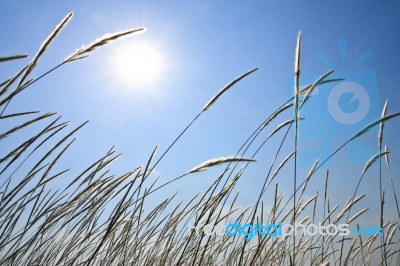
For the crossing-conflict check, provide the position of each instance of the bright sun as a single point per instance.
(137, 64)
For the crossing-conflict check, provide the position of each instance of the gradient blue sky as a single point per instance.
(205, 45)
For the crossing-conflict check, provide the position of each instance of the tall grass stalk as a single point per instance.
(296, 124)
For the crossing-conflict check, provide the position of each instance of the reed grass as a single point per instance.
(102, 219)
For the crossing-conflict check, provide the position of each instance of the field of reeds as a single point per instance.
(102, 219)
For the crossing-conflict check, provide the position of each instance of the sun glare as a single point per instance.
(136, 64)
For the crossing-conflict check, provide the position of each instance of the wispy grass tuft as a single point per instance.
(107, 38)
(225, 88)
(218, 161)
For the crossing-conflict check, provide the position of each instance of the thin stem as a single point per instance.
(33, 81)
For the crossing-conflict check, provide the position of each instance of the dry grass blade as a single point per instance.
(218, 161)
(297, 58)
(299, 210)
(227, 215)
(297, 77)
(46, 44)
(357, 214)
(350, 251)
(5, 82)
(371, 161)
(310, 173)
(13, 57)
(358, 134)
(281, 166)
(224, 89)
(10, 81)
(380, 135)
(391, 232)
(30, 122)
(296, 122)
(381, 197)
(279, 127)
(275, 114)
(304, 90)
(391, 180)
(350, 203)
(314, 85)
(367, 128)
(18, 114)
(386, 156)
(83, 52)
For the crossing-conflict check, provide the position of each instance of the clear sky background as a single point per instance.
(202, 45)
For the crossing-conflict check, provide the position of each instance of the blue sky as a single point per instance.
(206, 44)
